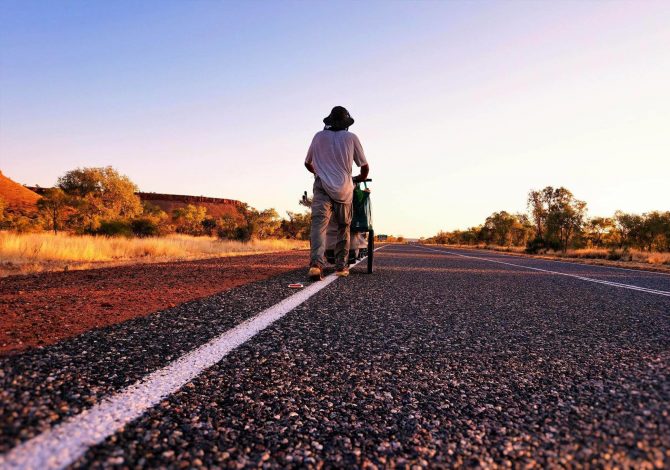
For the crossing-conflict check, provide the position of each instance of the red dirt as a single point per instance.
(17, 197)
(170, 202)
(41, 309)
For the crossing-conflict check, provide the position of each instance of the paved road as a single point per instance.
(442, 357)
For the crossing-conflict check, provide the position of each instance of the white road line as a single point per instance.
(572, 263)
(66, 442)
(583, 278)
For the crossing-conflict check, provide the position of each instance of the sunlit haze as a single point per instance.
(461, 107)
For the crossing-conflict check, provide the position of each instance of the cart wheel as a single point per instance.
(371, 249)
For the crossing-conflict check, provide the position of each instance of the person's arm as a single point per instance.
(359, 159)
(310, 157)
(365, 170)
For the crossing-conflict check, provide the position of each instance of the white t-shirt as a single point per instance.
(332, 154)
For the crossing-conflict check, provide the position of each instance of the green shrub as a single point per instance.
(145, 227)
(535, 245)
(243, 234)
(208, 225)
(115, 228)
(540, 245)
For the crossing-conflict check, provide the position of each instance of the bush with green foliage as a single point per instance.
(243, 234)
(559, 222)
(557, 214)
(189, 219)
(54, 206)
(539, 245)
(115, 228)
(99, 194)
(145, 227)
(209, 225)
(297, 226)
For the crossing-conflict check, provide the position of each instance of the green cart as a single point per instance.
(362, 234)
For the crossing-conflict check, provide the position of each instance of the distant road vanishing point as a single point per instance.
(442, 357)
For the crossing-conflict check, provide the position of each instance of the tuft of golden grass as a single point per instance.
(657, 258)
(637, 256)
(35, 252)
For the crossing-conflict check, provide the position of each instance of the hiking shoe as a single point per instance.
(344, 272)
(315, 273)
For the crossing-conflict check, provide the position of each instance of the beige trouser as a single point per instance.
(323, 208)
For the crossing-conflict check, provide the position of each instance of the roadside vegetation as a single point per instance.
(556, 225)
(93, 216)
(35, 252)
(100, 201)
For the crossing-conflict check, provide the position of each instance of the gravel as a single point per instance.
(433, 360)
(40, 387)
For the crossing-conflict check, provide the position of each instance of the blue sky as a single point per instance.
(462, 107)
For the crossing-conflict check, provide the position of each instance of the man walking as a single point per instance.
(330, 157)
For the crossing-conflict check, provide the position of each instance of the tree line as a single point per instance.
(556, 220)
(101, 201)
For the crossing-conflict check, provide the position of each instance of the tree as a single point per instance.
(154, 221)
(663, 238)
(628, 228)
(557, 215)
(258, 224)
(53, 206)
(102, 194)
(598, 230)
(189, 219)
(522, 230)
(538, 208)
(226, 226)
(500, 225)
(654, 230)
(442, 238)
(267, 223)
(209, 225)
(298, 225)
(566, 216)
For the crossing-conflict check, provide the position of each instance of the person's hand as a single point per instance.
(365, 171)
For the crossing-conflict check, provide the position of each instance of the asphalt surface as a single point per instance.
(437, 359)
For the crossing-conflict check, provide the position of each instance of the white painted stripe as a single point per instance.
(66, 442)
(583, 278)
(503, 254)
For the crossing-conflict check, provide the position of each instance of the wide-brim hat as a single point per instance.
(338, 117)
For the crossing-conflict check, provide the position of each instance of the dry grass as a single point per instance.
(602, 256)
(36, 252)
(618, 255)
(658, 258)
